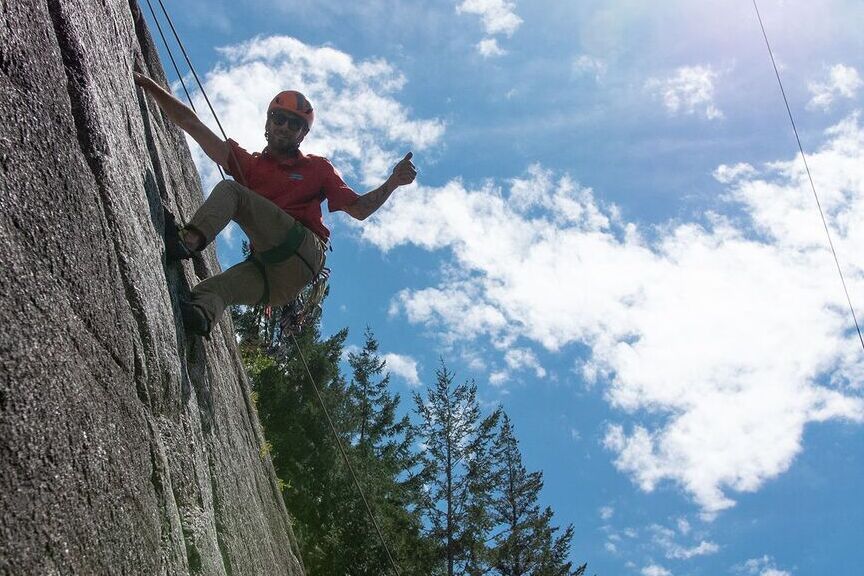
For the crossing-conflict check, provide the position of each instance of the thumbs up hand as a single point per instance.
(404, 172)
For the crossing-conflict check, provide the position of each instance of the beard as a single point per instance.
(282, 145)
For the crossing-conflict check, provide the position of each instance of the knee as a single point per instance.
(226, 187)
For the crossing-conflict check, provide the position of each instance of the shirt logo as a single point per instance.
(295, 176)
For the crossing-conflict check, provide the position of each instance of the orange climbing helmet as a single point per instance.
(295, 103)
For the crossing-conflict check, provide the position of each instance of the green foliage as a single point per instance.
(527, 544)
(463, 504)
(382, 450)
(331, 523)
(456, 471)
(265, 449)
(282, 484)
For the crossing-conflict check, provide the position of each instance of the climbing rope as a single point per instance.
(200, 87)
(315, 290)
(174, 63)
(171, 56)
(809, 175)
(345, 457)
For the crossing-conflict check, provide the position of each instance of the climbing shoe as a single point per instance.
(175, 248)
(194, 319)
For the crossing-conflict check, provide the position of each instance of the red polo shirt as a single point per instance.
(297, 185)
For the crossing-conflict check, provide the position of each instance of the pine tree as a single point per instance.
(456, 471)
(467, 484)
(300, 442)
(383, 456)
(526, 543)
(370, 402)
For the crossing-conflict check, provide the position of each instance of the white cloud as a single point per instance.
(498, 17)
(488, 47)
(611, 547)
(690, 91)
(474, 360)
(519, 358)
(665, 539)
(606, 512)
(702, 549)
(763, 566)
(403, 366)
(728, 174)
(450, 302)
(585, 64)
(655, 570)
(730, 333)
(350, 349)
(683, 526)
(230, 233)
(499, 378)
(843, 82)
(359, 123)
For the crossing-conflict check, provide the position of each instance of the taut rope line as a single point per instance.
(345, 456)
(171, 56)
(195, 74)
(174, 62)
(809, 176)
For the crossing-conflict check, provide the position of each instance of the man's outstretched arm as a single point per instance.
(183, 116)
(403, 173)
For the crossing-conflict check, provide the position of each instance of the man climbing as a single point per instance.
(276, 200)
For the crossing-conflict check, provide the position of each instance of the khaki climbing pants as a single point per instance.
(267, 226)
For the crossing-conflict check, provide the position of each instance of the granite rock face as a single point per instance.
(126, 447)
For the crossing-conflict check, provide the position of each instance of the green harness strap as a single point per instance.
(280, 253)
(286, 249)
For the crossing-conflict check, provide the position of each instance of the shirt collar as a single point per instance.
(287, 161)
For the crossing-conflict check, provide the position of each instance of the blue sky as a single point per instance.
(612, 234)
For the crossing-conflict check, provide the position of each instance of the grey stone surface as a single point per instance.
(126, 447)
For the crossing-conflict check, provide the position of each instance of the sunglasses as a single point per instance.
(293, 122)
